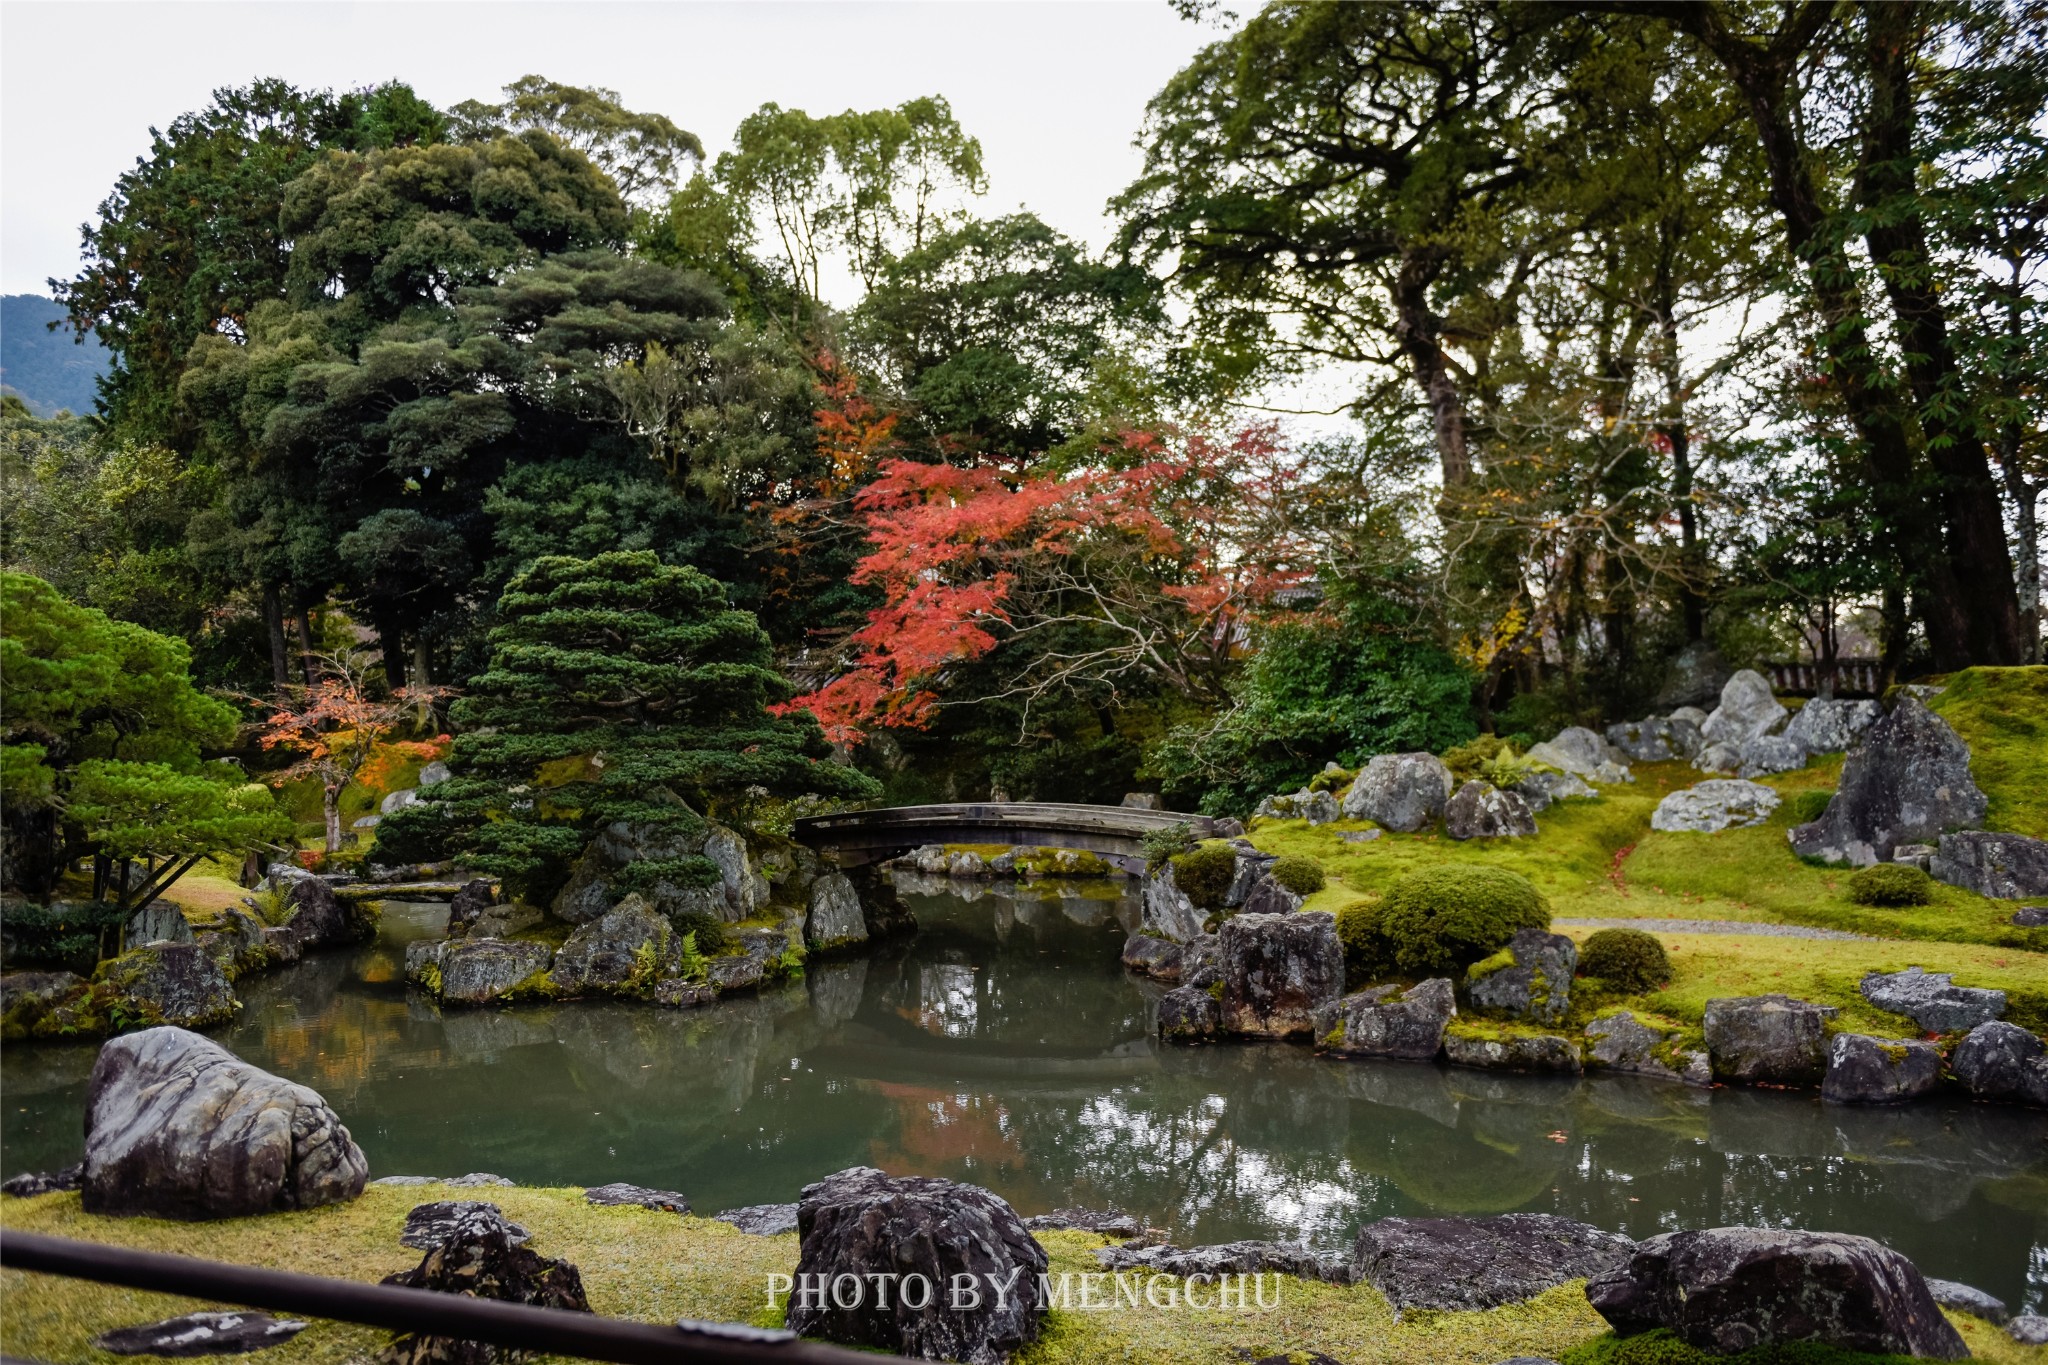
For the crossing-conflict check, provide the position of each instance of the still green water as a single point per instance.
(1003, 1045)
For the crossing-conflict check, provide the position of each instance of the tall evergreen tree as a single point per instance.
(619, 688)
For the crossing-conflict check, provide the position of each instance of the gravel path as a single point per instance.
(1716, 926)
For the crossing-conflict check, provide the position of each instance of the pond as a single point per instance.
(1003, 1045)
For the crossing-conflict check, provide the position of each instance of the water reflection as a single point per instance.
(1003, 1045)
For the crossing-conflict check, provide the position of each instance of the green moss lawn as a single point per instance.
(1601, 860)
(656, 1267)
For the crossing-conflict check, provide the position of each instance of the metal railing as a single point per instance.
(520, 1327)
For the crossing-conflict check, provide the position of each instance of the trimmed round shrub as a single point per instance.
(1204, 874)
(1303, 876)
(1365, 951)
(1628, 960)
(1891, 884)
(1439, 920)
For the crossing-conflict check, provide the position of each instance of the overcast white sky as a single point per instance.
(1055, 91)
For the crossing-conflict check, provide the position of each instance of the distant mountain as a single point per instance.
(47, 370)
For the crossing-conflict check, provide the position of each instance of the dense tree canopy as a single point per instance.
(1453, 367)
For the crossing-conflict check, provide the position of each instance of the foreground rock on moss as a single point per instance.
(176, 1126)
(1735, 1289)
(862, 1222)
(1467, 1263)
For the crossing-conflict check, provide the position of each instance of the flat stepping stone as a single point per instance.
(1108, 1222)
(623, 1195)
(201, 1334)
(1716, 926)
(762, 1220)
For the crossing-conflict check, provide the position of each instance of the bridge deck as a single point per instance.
(1116, 832)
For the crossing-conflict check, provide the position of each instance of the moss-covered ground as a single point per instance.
(1600, 859)
(656, 1267)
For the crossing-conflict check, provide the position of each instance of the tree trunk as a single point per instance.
(1416, 332)
(1677, 434)
(1762, 73)
(1897, 239)
(273, 624)
(2026, 503)
(307, 654)
(391, 641)
(422, 655)
(330, 807)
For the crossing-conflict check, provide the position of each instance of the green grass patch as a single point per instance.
(1600, 859)
(2002, 714)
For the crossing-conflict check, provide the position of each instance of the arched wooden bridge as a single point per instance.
(1116, 833)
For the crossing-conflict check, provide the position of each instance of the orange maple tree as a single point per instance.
(338, 728)
(1152, 555)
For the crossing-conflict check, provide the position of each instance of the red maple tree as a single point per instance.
(1151, 555)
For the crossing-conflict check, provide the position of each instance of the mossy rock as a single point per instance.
(1627, 960)
(1891, 885)
(1204, 874)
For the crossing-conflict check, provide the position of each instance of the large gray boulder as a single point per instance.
(1697, 675)
(477, 971)
(1278, 970)
(1189, 1014)
(1463, 1264)
(1723, 759)
(629, 948)
(1622, 1042)
(1544, 1052)
(1714, 805)
(1933, 1000)
(1400, 792)
(835, 918)
(591, 890)
(861, 1222)
(1166, 912)
(322, 919)
(1153, 957)
(1537, 982)
(1482, 811)
(158, 922)
(1656, 740)
(1747, 710)
(1268, 897)
(1772, 1039)
(2000, 1061)
(2005, 867)
(746, 893)
(1736, 1289)
(176, 1126)
(1767, 754)
(1542, 788)
(1829, 727)
(1863, 1070)
(1906, 781)
(1583, 753)
(1965, 1298)
(1389, 1021)
(184, 983)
